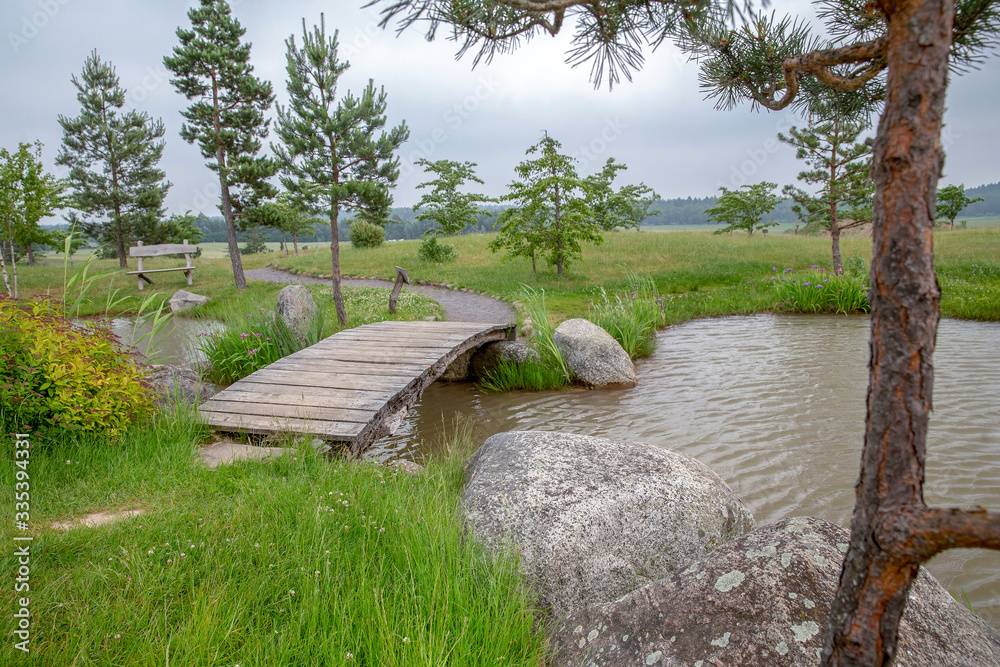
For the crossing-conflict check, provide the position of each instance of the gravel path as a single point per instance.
(458, 306)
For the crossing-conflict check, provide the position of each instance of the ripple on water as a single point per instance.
(776, 406)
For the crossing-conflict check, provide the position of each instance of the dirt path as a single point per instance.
(458, 306)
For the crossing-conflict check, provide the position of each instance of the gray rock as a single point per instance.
(593, 355)
(183, 300)
(762, 600)
(181, 383)
(490, 355)
(592, 519)
(297, 310)
(458, 370)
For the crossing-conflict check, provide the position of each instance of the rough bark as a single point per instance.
(892, 530)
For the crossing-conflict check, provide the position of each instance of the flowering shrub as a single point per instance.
(246, 346)
(57, 375)
(819, 291)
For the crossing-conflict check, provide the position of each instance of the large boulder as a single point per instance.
(297, 310)
(183, 300)
(593, 355)
(177, 383)
(489, 356)
(762, 600)
(592, 519)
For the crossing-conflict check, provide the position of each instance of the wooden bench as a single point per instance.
(141, 251)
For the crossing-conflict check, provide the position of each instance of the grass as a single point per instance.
(697, 274)
(296, 561)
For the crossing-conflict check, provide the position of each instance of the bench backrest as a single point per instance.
(162, 249)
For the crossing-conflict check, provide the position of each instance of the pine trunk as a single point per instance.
(227, 213)
(30, 249)
(889, 531)
(338, 298)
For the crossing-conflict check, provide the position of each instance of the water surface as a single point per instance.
(775, 404)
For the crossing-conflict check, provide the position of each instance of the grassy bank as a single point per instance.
(297, 561)
(698, 273)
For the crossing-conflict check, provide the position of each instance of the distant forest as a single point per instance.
(689, 211)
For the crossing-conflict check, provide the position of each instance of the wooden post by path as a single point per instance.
(401, 277)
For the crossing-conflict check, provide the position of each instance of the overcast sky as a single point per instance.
(659, 124)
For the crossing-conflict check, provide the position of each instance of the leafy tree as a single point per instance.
(446, 205)
(636, 200)
(551, 215)
(888, 57)
(178, 228)
(951, 199)
(334, 154)
(113, 157)
(602, 198)
(840, 164)
(745, 210)
(286, 218)
(212, 67)
(625, 207)
(27, 194)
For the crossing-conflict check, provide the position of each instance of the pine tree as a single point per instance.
(550, 213)
(334, 154)
(113, 158)
(840, 164)
(212, 66)
(888, 57)
(27, 194)
(626, 207)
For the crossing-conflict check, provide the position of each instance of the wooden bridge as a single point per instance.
(353, 387)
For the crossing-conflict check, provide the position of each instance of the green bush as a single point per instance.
(55, 375)
(365, 234)
(432, 251)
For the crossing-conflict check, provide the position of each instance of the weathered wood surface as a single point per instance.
(353, 387)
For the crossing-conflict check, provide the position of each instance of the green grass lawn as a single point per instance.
(297, 561)
(699, 273)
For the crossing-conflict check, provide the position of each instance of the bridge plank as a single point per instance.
(350, 387)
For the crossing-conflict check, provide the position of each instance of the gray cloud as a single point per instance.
(659, 124)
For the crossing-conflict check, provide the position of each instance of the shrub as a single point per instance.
(432, 251)
(365, 234)
(631, 319)
(55, 375)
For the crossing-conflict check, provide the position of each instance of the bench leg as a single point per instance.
(190, 277)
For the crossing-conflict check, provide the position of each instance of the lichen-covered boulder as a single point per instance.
(762, 600)
(592, 354)
(592, 519)
(183, 300)
(297, 310)
(489, 356)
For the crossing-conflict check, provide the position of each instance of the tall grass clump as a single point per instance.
(249, 342)
(549, 372)
(631, 319)
(299, 560)
(820, 291)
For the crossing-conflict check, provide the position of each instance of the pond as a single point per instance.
(177, 342)
(775, 404)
